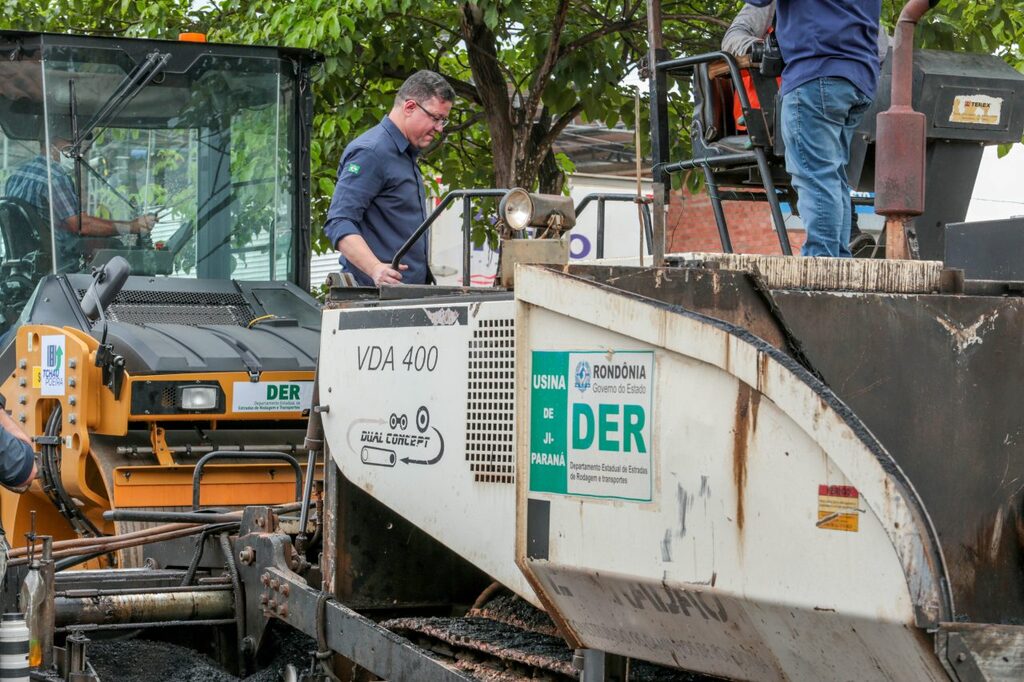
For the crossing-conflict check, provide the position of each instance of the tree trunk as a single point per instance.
(541, 160)
(551, 178)
(490, 82)
(522, 132)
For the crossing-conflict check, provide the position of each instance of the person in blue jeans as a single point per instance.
(829, 81)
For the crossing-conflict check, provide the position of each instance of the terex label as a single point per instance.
(272, 396)
(976, 109)
(590, 424)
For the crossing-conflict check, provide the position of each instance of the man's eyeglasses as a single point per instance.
(439, 120)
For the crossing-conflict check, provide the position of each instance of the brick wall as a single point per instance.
(691, 226)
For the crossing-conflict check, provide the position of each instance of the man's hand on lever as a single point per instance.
(140, 225)
(383, 273)
(359, 255)
(143, 224)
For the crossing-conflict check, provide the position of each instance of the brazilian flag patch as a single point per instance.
(353, 168)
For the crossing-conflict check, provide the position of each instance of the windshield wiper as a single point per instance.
(125, 92)
(132, 85)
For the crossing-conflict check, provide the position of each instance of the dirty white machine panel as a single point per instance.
(695, 498)
(421, 417)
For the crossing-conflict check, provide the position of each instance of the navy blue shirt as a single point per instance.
(828, 38)
(380, 195)
(16, 459)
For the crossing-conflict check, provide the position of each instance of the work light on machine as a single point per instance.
(520, 209)
(198, 397)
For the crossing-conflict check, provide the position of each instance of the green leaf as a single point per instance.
(491, 17)
(371, 45)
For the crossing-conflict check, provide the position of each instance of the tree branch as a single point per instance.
(465, 90)
(426, 20)
(547, 66)
(468, 123)
(629, 25)
(559, 125)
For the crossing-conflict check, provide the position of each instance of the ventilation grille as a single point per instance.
(203, 298)
(191, 308)
(491, 401)
(169, 396)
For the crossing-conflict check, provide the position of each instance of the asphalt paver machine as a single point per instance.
(751, 467)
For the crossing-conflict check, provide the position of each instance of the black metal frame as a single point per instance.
(468, 195)
(197, 475)
(302, 62)
(602, 198)
(758, 136)
(273, 589)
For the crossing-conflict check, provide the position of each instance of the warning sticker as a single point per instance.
(838, 508)
(37, 375)
(590, 424)
(976, 109)
(52, 374)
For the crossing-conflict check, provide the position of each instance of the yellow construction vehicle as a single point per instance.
(209, 345)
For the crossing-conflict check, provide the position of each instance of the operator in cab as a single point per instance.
(31, 184)
(17, 460)
(379, 199)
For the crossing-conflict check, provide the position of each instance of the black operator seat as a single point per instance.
(714, 130)
(22, 229)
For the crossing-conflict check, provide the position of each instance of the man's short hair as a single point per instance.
(422, 86)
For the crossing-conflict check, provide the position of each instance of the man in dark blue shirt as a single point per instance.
(829, 81)
(379, 199)
(17, 460)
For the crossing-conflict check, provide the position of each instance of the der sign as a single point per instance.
(590, 423)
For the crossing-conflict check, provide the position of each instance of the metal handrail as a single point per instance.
(601, 198)
(686, 63)
(467, 196)
(778, 221)
(197, 475)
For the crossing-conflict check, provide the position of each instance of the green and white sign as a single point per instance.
(271, 396)
(590, 423)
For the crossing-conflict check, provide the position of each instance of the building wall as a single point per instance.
(998, 193)
(690, 226)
